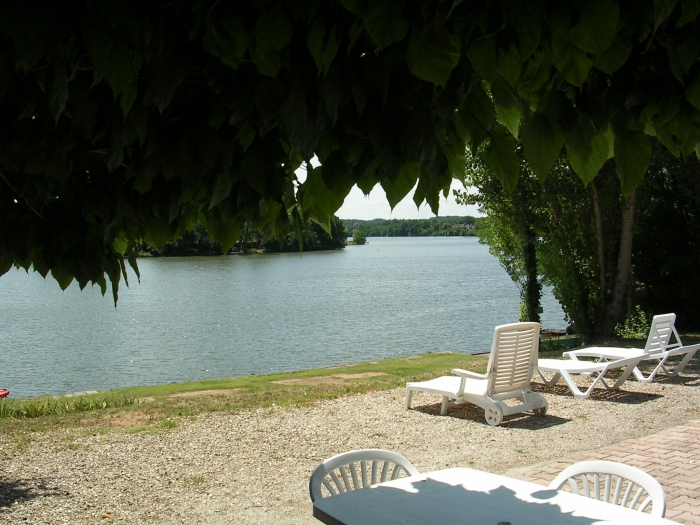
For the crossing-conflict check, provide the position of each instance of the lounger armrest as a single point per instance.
(684, 349)
(467, 373)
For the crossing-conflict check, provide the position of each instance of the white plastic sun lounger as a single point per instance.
(508, 375)
(565, 368)
(658, 347)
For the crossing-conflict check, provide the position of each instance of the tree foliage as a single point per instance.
(128, 122)
(548, 234)
(451, 226)
(359, 237)
(196, 242)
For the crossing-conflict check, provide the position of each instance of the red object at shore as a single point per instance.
(4, 392)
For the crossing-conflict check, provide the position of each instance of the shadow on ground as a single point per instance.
(12, 492)
(525, 420)
(601, 394)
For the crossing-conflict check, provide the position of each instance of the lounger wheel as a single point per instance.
(493, 415)
(540, 411)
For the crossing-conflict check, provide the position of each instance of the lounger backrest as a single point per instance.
(513, 357)
(660, 333)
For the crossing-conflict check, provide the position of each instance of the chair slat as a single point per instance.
(353, 473)
(385, 471)
(637, 497)
(336, 480)
(618, 488)
(346, 480)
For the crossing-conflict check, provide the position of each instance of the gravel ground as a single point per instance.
(253, 467)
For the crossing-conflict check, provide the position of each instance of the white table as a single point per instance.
(465, 496)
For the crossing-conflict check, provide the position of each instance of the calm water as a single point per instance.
(195, 318)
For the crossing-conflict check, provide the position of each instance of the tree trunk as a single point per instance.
(533, 288)
(601, 243)
(613, 312)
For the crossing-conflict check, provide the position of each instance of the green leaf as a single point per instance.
(500, 156)
(432, 53)
(222, 188)
(662, 10)
(510, 118)
(614, 56)
(688, 51)
(273, 30)
(587, 164)
(127, 99)
(62, 275)
(691, 10)
(316, 199)
(235, 28)
(354, 6)
(507, 106)
(111, 57)
(323, 46)
(597, 26)
(226, 232)
(337, 176)
(398, 189)
(120, 245)
(510, 65)
(158, 232)
(685, 129)
(384, 23)
(58, 91)
(477, 115)
(482, 55)
(541, 144)
(528, 26)
(632, 157)
(573, 63)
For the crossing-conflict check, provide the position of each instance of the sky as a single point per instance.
(376, 206)
(357, 205)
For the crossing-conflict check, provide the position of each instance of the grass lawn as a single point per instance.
(157, 406)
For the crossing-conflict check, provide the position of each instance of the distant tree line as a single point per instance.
(451, 226)
(196, 241)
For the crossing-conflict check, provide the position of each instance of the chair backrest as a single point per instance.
(660, 333)
(614, 483)
(513, 358)
(356, 470)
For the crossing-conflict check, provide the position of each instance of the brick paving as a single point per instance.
(672, 456)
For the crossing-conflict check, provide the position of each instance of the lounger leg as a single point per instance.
(443, 408)
(640, 377)
(409, 395)
(628, 371)
(573, 387)
(552, 381)
(681, 365)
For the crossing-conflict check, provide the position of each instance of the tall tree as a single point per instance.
(573, 237)
(128, 122)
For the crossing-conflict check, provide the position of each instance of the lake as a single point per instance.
(209, 317)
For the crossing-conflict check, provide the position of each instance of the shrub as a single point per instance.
(636, 326)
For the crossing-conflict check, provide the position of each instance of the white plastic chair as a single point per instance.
(508, 374)
(614, 483)
(356, 470)
(658, 347)
(565, 368)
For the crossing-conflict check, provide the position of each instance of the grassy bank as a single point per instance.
(161, 406)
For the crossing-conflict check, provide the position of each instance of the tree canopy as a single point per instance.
(125, 122)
